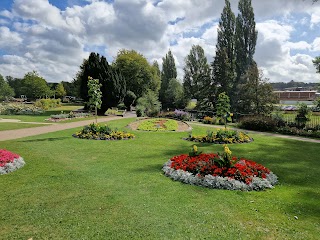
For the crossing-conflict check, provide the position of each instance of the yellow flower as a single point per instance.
(227, 150)
(195, 148)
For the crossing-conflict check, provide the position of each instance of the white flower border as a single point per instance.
(218, 182)
(12, 166)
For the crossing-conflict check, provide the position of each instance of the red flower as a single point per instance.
(204, 164)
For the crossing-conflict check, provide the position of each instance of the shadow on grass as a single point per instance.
(45, 139)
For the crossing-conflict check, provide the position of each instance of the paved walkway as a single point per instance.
(27, 132)
(264, 133)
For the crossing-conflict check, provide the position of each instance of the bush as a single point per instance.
(221, 136)
(259, 123)
(102, 132)
(209, 120)
(19, 109)
(48, 103)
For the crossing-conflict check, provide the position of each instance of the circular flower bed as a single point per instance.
(219, 171)
(9, 161)
(158, 124)
(102, 132)
(222, 136)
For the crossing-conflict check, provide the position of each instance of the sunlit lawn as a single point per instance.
(13, 126)
(85, 189)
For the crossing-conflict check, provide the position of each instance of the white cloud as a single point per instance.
(9, 39)
(39, 36)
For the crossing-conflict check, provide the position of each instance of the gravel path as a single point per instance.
(27, 132)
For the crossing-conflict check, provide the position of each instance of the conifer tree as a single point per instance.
(169, 71)
(197, 77)
(223, 65)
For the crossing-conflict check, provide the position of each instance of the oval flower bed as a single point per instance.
(158, 124)
(224, 171)
(9, 161)
(222, 136)
(102, 132)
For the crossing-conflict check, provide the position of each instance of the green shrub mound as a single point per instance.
(158, 124)
(102, 132)
(222, 136)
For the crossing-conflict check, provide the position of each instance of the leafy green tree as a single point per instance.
(316, 63)
(95, 95)
(34, 86)
(137, 72)
(302, 117)
(113, 84)
(148, 104)
(156, 76)
(224, 62)
(169, 71)
(60, 91)
(257, 94)
(174, 94)
(16, 85)
(223, 108)
(5, 90)
(197, 77)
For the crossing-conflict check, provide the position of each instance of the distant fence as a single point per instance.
(314, 121)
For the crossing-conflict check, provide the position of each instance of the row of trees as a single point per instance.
(233, 71)
(33, 86)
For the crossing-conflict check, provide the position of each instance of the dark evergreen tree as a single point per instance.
(113, 85)
(197, 79)
(169, 71)
(223, 65)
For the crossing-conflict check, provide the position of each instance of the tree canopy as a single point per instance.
(137, 72)
(5, 90)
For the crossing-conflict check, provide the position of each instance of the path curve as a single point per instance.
(27, 132)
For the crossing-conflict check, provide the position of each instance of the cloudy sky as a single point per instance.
(54, 36)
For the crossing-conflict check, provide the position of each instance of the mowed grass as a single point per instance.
(13, 126)
(84, 189)
(42, 117)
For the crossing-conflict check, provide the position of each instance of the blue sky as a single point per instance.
(54, 36)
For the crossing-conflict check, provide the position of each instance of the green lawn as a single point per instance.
(84, 189)
(41, 118)
(13, 126)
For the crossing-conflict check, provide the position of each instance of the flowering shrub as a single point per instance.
(219, 171)
(158, 124)
(102, 132)
(19, 109)
(221, 136)
(67, 116)
(209, 120)
(9, 161)
(182, 115)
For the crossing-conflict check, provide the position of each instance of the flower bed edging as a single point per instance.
(9, 161)
(218, 182)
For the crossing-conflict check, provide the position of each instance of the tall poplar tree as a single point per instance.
(246, 37)
(197, 77)
(223, 65)
(245, 44)
(169, 71)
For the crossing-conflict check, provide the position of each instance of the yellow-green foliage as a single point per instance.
(158, 124)
(222, 136)
(46, 104)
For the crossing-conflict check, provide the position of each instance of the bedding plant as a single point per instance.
(222, 136)
(158, 124)
(9, 161)
(222, 171)
(95, 131)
